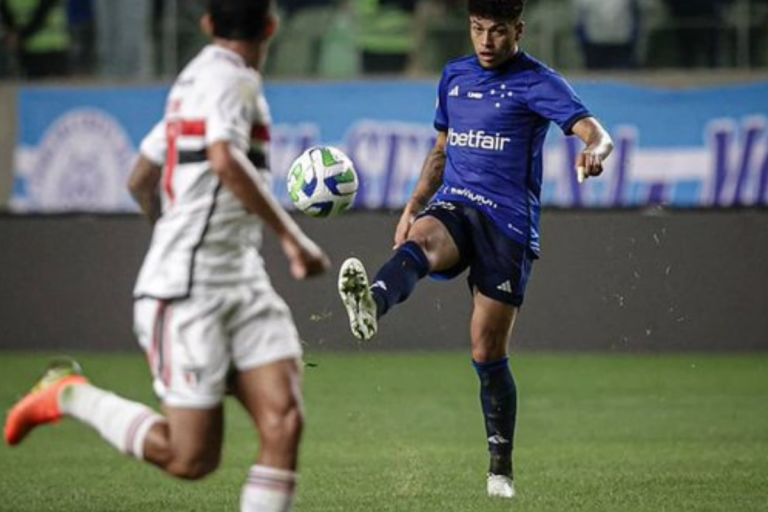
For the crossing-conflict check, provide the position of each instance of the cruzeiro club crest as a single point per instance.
(81, 164)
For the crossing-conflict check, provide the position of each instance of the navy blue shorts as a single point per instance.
(499, 267)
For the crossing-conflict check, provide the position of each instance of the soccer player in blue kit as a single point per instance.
(476, 205)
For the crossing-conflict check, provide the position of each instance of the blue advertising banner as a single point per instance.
(680, 148)
(76, 147)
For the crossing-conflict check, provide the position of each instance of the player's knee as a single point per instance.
(283, 427)
(185, 464)
(436, 244)
(428, 247)
(487, 347)
(481, 354)
(420, 239)
(193, 468)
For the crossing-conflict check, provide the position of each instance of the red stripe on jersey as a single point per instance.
(194, 127)
(172, 132)
(260, 132)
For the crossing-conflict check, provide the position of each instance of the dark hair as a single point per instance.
(239, 19)
(503, 10)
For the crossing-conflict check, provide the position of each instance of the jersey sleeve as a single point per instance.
(441, 115)
(155, 144)
(231, 101)
(554, 99)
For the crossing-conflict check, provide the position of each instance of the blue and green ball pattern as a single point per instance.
(322, 182)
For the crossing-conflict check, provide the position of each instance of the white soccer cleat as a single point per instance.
(500, 486)
(356, 296)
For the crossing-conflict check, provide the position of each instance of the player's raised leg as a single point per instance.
(429, 247)
(492, 323)
(64, 391)
(272, 396)
(187, 444)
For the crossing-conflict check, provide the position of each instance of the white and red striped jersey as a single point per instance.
(205, 237)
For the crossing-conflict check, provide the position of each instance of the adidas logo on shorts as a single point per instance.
(506, 287)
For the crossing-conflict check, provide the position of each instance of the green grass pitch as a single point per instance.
(403, 432)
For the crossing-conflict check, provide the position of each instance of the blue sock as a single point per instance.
(398, 277)
(498, 395)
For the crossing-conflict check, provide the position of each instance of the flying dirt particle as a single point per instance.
(319, 317)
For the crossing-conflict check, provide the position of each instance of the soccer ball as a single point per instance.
(322, 181)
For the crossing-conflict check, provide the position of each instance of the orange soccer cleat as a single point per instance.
(41, 405)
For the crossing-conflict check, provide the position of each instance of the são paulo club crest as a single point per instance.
(82, 163)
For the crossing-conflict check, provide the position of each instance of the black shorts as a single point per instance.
(499, 267)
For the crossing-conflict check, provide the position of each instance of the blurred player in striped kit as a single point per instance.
(205, 310)
(476, 205)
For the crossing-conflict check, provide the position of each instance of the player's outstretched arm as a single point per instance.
(598, 146)
(239, 175)
(429, 182)
(143, 185)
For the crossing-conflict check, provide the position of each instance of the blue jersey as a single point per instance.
(496, 121)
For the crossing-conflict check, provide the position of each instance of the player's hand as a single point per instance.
(588, 163)
(404, 225)
(306, 258)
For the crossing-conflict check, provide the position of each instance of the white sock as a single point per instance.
(268, 490)
(122, 423)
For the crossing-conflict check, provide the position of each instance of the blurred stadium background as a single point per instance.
(655, 274)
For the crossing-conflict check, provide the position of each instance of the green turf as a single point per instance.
(404, 433)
